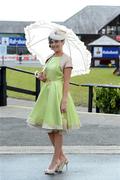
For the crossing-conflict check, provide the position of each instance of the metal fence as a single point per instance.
(4, 87)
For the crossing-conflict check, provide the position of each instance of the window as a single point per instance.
(111, 30)
(17, 50)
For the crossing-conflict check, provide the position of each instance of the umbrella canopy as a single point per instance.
(37, 43)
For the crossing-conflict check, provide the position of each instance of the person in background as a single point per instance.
(20, 57)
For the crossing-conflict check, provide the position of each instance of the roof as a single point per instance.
(104, 40)
(16, 26)
(13, 26)
(92, 18)
(87, 21)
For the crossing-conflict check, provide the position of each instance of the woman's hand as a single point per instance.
(63, 106)
(41, 76)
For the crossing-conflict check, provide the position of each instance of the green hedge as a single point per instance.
(108, 100)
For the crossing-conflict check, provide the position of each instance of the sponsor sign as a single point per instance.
(16, 41)
(13, 41)
(106, 52)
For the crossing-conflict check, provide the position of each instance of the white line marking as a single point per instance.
(67, 149)
(22, 107)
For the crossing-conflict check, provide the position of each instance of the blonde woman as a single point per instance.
(54, 109)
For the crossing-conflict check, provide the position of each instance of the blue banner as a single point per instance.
(110, 52)
(106, 52)
(17, 41)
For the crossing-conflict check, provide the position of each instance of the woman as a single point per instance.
(54, 109)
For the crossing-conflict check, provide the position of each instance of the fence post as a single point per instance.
(38, 87)
(3, 86)
(90, 97)
(97, 109)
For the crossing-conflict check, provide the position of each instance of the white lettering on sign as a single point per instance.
(110, 52)
(15, 41)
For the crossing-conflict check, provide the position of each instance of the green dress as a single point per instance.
(46, 111)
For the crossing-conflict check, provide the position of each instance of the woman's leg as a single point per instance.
(57, 140)
(52, 138)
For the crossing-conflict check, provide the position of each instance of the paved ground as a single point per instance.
(15, 132)
(93, 150)
(13, 63)
(81, 167)
(96, 129)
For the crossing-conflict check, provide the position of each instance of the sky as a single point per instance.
(49, 10)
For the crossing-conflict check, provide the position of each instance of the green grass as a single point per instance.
(79, 94)
(21, 80)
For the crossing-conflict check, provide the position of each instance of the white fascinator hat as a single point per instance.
(57, 35)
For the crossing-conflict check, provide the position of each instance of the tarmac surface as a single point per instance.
(96, 128)
(93, 150)
(81, 167)
(13, 63)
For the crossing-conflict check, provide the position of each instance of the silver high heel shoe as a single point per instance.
(61, 166)
(52, 171)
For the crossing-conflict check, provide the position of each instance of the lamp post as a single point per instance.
(3, 52)
(16, 48)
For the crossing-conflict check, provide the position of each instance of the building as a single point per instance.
(105, 52)
(89, 24)
(93, 21)
(12, 36)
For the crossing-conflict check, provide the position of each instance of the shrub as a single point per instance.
(108, 100)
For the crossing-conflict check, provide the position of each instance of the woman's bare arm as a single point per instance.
(67, 75)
